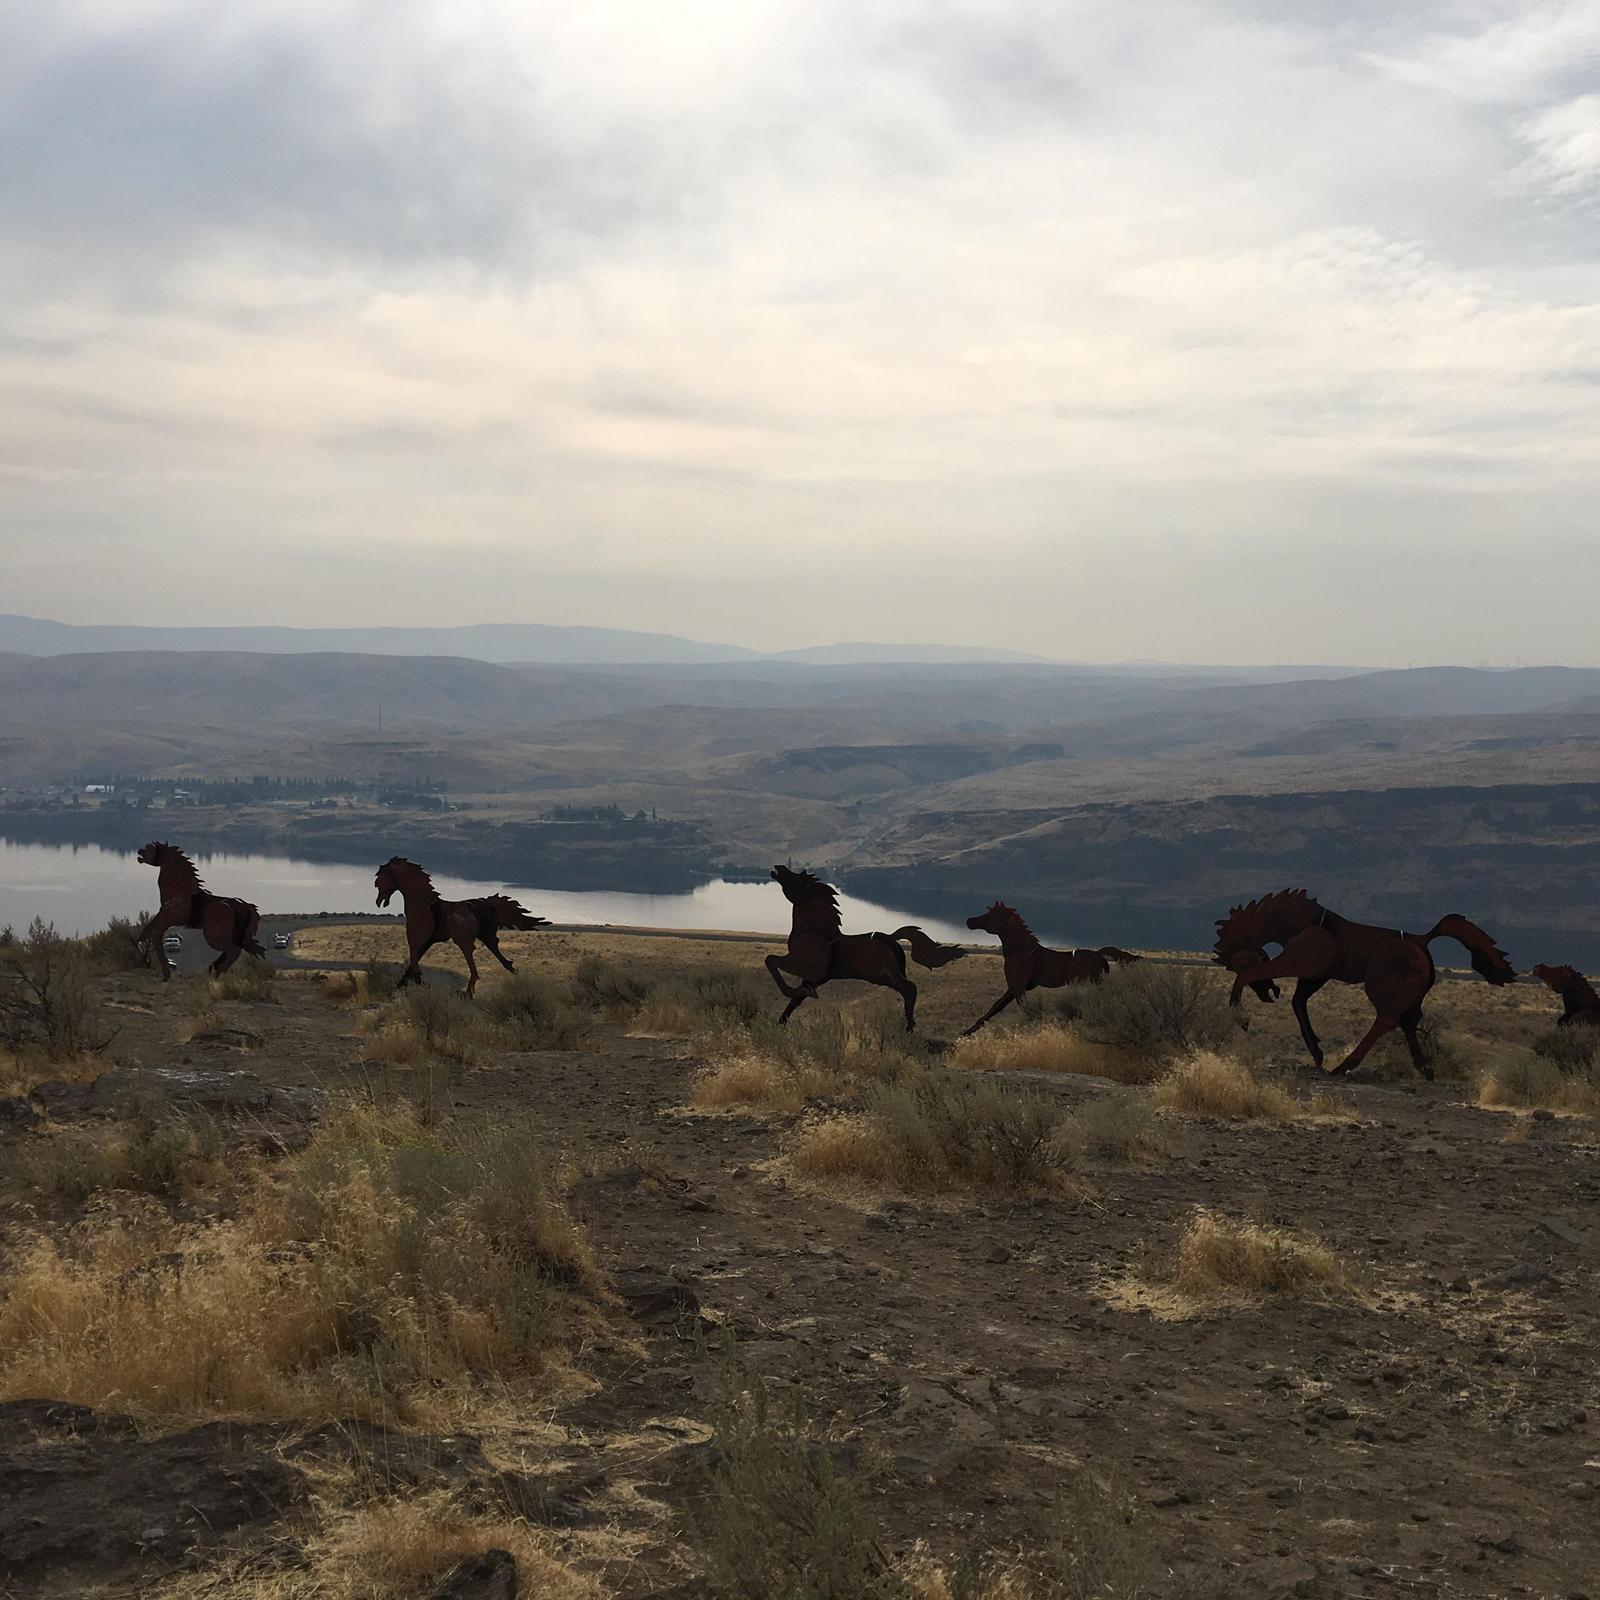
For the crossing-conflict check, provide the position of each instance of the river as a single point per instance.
(79, 888)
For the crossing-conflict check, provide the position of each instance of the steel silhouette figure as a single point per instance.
(431, 919)
(820, 952)
(1319, 947)
(1032, 965)
(228, 925)
(1582, 1003)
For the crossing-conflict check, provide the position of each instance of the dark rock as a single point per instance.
(997, 1255)
(232, 1038)
(1543, 1114)
(490, 1576)
(17, 1112)
(1524, 1275)
(1168, 1498)
(61, 1099)
(651, 1295)
(83, 1494)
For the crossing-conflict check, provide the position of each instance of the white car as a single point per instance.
(280, 941)
(172, 942)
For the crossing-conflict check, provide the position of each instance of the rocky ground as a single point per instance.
(1436, 1434)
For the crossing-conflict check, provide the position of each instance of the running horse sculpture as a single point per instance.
(430, 919)
(819, 951)
(1577, 993)
(1319, 947)
(228, 925)
(1032, 965)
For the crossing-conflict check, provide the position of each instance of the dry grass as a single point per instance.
(166, 1157)
(942, 1130)
(1221, 1261)
(386, 1271)
(1520, 1080)
(1048, 1046)
(421, 1024)
(1156, 1012)
(21, 1069)
(760, 1083)
(383, 1549)
(249, 978)
(1209, 1085)
(704, 998)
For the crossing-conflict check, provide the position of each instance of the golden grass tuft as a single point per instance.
(760, 1083)
(383, 1549)
(1221, 1261)
(1046, 1047)
(386, 1271)
(1517, 1079)
(1209, 1085)
(852, 1151)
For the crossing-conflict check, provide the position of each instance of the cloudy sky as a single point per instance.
(1225, 331)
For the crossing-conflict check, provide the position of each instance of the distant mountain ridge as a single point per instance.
(505, 643)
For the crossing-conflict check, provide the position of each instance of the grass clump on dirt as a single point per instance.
(1575, 1048)
(707, 997)
(607, 986)
(827, 1053)
(1156, 1012)
(1209, 1085)
(249, 978)
(1221, 1261)
(1120, 1127)
(942, 1130)
(1045, 1046)
(530, 1012)
(386, 1271)
(783, 1521)
(422, 1023)
(1518, 1079)
(164, 1156)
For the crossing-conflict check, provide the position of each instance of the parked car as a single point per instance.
(280, 941)
(173, 941)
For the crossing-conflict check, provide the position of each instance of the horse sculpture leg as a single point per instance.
(491, 943)
(152, 934)
(1409, 1024)
(1399, 976)
(774, 966)
(1303, 991)
(465, 947)
(806, 991)
(994, 1011)
(907, 991)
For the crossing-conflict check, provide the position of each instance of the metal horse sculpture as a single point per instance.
(1319, 947)
(819, 951)
(1031, 965)
(1582, 1003)
(228, 925)
(430, 919)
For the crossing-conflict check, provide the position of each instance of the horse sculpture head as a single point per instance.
(992, 920)
(387, 881)
(150, 855)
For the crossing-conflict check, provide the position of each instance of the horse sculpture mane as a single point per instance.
(1252, 922)
(395, 865)
(1015, 924)
(1571, 985)
(806, 888)
(184, 871)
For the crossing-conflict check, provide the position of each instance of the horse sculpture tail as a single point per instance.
(1116, 957)
(927, 952)
(1489, 961)
(508, 913)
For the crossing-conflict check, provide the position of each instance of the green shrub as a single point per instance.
(249, 978)
(116, 947)
(1156, 1011)
(535, 1013)
(604, 986)
(49, 997)
(1572, 1049)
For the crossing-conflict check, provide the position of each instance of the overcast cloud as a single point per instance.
(1230, 331)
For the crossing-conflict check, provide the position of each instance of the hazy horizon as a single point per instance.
(1191, 334)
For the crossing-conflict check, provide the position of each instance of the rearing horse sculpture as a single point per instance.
(819, 951)
(429, 919)
(228, 925)
(1319, 946)
(1032, 965)
(1582, 1004)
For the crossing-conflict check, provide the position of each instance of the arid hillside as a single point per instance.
(606, 1284)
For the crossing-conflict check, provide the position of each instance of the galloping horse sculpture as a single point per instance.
(228, 925)
(430, 919)
(1582, 1003)
(1032, 965)
(820, 952)
(1319, 947)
